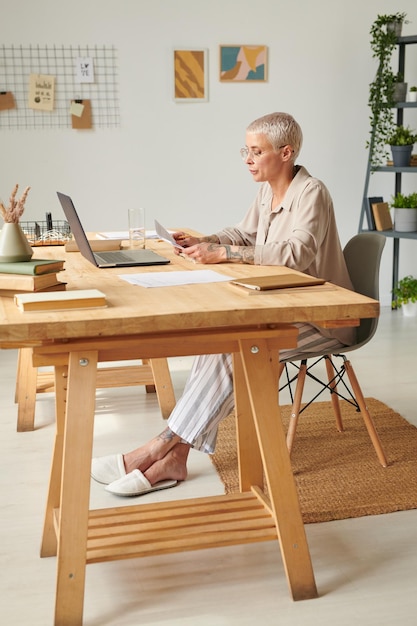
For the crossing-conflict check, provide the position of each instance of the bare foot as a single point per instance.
(145, 456)
(172, 467)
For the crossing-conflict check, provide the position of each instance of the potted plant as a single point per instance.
(405, 292)
(381, 89)
(401, 139)
(395, 23)
(412, 94)
(14, 246)
(400, 88)
(405, 212)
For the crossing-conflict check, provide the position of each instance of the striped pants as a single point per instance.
(208, 394)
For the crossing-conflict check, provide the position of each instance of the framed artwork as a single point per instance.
(241, 64)
(190, 75)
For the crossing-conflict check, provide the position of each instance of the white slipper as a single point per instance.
(136, 484)
(106, 469)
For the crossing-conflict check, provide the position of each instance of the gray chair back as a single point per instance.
(363, 258)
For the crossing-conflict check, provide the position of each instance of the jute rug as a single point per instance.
(338, 475)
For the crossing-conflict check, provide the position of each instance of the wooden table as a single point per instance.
(165, 322)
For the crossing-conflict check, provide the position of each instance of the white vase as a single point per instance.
(14, 246)
(409, 309)
(412, 96)
(405, 220)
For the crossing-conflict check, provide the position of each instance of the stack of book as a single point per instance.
(32, 276)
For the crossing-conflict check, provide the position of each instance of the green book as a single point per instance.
(32, 267)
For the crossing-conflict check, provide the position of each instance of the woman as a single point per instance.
(291, 223)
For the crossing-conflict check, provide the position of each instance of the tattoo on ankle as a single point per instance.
(166, 435)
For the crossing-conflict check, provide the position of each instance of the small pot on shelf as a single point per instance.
(401, 140)
(405, 220)
(401, 155)
(400, 91)
(405, 212)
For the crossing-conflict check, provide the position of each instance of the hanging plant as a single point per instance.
(381, 90)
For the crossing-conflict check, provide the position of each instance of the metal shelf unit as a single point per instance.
(402, 43)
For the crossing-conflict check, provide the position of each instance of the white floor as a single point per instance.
(365, 568)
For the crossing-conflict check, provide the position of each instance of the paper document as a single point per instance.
(164, 234)
(170, 279)
(124, 234)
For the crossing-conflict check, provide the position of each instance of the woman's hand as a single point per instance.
(204, 252)
(185, 240)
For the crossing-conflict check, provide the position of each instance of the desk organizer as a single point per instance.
(40, 233)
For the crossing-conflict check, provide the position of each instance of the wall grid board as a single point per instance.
(18, 62)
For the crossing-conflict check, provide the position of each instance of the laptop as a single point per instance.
(111, 258)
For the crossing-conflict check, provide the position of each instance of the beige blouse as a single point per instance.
(301, 233)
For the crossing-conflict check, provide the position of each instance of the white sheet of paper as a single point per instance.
(124, 234)
(165, 235)
(170, 279)
(84, 70)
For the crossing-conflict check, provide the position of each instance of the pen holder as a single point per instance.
(14, 246)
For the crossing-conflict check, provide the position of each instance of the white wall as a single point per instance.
(181, 161)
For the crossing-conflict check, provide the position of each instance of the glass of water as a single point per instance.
(136, 218)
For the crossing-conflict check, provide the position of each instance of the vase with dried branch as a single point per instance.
(14, 246)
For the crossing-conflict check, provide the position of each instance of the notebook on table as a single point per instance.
(103, 259)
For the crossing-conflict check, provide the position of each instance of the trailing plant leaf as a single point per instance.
(381, 90)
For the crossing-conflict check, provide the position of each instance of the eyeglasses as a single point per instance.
(256, 154)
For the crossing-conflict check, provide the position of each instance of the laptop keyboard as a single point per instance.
(115, 256)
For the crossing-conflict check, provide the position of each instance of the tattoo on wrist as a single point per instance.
(242, 254)
(210, 239)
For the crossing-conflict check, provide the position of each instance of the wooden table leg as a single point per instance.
(262, 388)
(25, 395)
(49, 539)
(75, 488)
(249, 457)
(163, 386)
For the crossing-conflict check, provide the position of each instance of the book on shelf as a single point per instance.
(369, 212)
(382, 216)
(57, 301)
(26, 282)
(32, 267)
(10, 293)
(279, 281)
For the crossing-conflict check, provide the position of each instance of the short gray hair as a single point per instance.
(280, 129)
